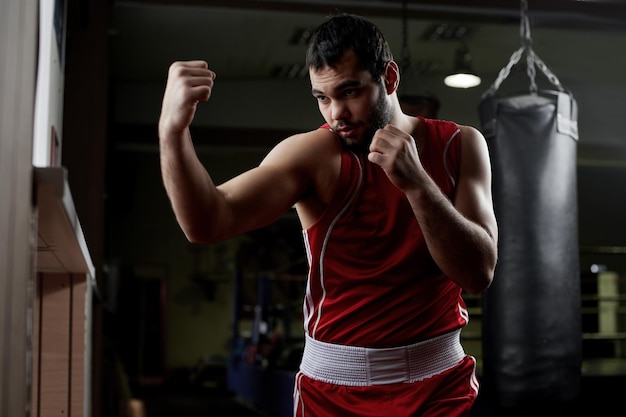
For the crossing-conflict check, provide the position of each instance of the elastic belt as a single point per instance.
(360, 366)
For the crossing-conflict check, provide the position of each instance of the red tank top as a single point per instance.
(372, 281)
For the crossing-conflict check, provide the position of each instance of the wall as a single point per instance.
(142, 231)
(18, 52)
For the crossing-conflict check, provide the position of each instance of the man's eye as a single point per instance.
(349, 92)
(321, 99)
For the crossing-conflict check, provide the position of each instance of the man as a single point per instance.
(397, 220)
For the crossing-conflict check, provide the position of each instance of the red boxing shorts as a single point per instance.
(449, 394)
(327, 390)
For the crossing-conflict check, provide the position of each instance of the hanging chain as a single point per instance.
(532, 60)
(527, 42)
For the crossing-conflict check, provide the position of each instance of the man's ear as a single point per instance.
(392, 77)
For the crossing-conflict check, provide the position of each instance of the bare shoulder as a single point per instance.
(473, 140)
(471, 132)
(315, 155)
(315, 158)
(309, 154)
(303, 147)
(475, 153)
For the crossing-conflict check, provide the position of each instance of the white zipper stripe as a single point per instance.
(327, 237)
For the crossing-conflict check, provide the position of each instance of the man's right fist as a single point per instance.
(188, 83)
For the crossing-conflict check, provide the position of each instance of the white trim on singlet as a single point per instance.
(322, 253)
(464, 313)
(445, 157)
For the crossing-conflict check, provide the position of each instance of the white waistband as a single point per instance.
(359, 366)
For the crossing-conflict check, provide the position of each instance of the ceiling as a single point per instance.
(247, 42)
(249, 39)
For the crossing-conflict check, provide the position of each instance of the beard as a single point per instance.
(379, 117)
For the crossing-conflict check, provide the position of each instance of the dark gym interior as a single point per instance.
(176, 329)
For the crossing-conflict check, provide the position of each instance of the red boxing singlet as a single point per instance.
(372, 281)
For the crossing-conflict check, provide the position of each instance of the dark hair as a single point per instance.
(344, 32)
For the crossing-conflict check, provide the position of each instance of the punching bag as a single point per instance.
(532, 338)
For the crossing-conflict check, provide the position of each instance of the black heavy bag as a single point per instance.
(531, 313)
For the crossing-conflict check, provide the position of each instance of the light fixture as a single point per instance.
(463, 75)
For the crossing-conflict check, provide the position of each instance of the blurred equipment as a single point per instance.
(414, 99)
(532, 320)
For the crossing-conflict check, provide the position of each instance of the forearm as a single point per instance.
(463, 249)
(195, 199)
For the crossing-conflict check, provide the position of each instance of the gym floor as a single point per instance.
(600, 396)
(210, 403)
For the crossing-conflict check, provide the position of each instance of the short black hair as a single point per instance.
(342, 33)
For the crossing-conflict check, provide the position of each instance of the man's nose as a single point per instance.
(339, 110)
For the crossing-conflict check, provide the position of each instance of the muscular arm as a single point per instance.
(188, 185)
(207, 212)
(462, 238)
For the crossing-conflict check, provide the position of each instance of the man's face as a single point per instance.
(352, 103)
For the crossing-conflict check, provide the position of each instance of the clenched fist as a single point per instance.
(396, 153)
(188, 84)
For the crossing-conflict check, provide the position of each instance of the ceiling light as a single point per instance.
(463, 75)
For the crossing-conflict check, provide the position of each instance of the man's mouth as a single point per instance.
(346, 131)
